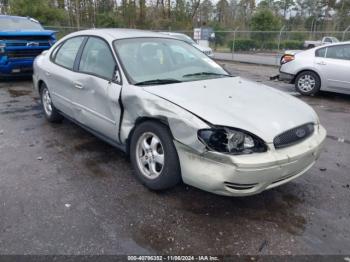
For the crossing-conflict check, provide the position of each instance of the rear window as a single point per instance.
(17, 23)
(321, 52)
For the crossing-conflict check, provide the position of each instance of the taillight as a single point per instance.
(287, 58)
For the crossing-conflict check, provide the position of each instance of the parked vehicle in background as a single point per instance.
(179, 114)
(321, 68)
(21, 40)
(206, 50)
(325, 40)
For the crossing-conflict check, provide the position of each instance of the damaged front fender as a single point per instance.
(139, 104)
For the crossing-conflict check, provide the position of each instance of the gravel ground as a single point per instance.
(63, 191)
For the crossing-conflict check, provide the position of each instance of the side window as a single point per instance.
(54, 52)
(97, 59)
(339, 52)
(320, 52)
(65, 56)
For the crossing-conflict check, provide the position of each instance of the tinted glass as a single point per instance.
(339, 52)
(320, 52)
(65, 56)
(97, 59)
(18, 23)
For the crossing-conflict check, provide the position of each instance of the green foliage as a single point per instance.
(252, 44)
(108, 19)
(270, 15)
(292, 44)
(269, 45)
(265, 20)
(242, 44)
(40, 10)
(220, 37)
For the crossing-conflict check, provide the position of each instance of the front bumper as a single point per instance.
(249, 174)
(17, 67)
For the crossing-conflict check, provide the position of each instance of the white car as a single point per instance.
(206, 50)
(321, 68)
(325, 40)
(177, 113)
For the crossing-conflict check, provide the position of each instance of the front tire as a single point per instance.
(154, 157)
(307, 83)
(51, 113)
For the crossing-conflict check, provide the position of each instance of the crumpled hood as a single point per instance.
(236, 102)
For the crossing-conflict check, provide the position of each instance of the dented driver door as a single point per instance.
(96, 93)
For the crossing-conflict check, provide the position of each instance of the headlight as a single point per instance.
(232, 141)
(2, 48)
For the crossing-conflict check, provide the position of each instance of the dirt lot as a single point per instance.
(63, 191)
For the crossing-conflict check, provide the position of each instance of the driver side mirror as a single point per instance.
(116, 75)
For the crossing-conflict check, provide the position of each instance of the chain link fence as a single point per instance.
(62, 31)
(260, 47)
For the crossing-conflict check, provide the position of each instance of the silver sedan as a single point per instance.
(177, 113)
(321, 68)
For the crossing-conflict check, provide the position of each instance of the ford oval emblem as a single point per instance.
(300, 132)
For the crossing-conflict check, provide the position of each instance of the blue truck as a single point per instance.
(21, 40)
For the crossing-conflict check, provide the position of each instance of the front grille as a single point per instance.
(293, 136)
(20, 43)
(25, 38)
(30, 53)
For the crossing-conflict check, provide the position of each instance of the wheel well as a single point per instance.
(40, 84)
(139, 121)
(305, 70)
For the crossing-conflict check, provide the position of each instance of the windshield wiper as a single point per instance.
(158, 82)
(205, 74)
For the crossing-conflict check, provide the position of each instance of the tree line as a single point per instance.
(264, 15)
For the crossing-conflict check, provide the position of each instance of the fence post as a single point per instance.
(233, 41)
(347, 29)
(279, 42)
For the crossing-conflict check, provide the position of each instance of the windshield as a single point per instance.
(153, 60)
(16, 23)
(185, 38)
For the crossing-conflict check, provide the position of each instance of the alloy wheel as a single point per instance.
(150, 155)
(306, 83)
(47, 103)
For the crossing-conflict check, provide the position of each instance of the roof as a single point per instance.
(334, 44)
(14, 16)
(172, 33)
(120, 33)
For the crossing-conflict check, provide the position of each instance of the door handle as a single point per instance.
(321, 63)
(78, 85)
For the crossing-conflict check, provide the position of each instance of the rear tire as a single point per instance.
(307, 83)
(51, 113)
(154, 157)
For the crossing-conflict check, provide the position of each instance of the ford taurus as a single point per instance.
(177, 113)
